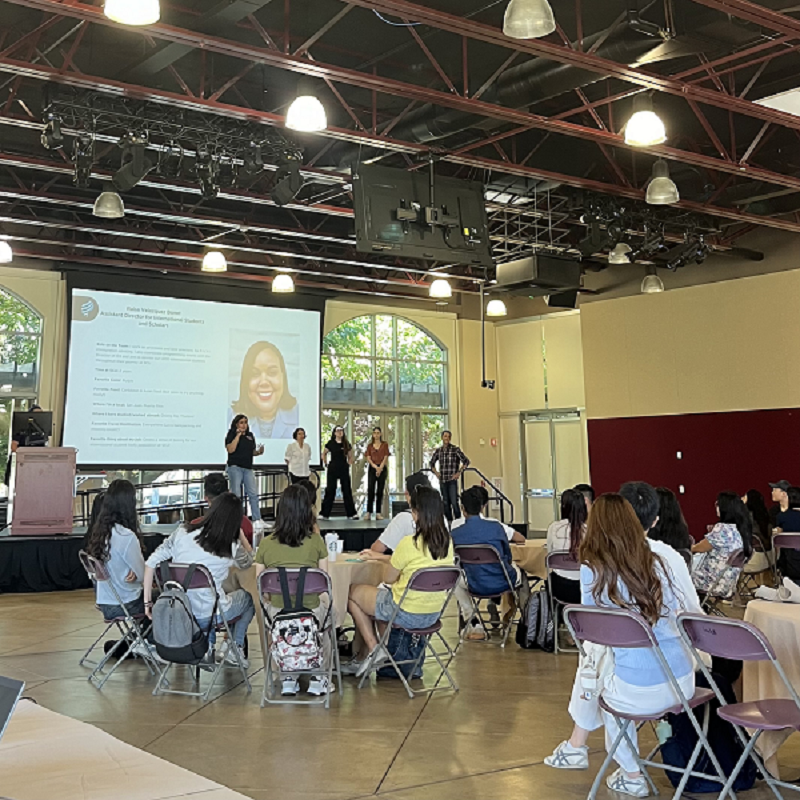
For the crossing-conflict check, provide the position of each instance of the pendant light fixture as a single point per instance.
(528, 19)
(440, 289)
(661, 191)
(619, 255)
(644, 128)
(306, 114)
(214, 261)
(133, 12)
(652, 284)
(6, 253)
(109, 205)
(283, 283)
(496, 308)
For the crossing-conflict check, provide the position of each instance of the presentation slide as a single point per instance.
(158, 380)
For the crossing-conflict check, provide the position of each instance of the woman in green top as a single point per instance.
(293, 544)
(430, 546)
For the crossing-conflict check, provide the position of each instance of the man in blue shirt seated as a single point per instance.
(485, 579)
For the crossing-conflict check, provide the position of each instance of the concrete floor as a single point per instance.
(487, 742)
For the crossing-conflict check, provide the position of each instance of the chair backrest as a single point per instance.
(201, 579)
(758, 545)
(737, 559)
(95, 569)
(476, 554)
(786, 541)
(725, 637)
(562, 560)
(434, 579)
(317, 582)
(614, 627)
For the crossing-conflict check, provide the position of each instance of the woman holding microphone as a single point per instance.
(241, 446)
(298, 457)
(377, 457)
(337, 456)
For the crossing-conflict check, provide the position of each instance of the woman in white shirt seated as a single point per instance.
(566, 534)
(298, 457)
(114, 540)
(216, 542)
(620, 568)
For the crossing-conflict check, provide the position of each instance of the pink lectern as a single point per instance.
(42, 491)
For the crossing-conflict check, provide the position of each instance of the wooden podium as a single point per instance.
(42, 491)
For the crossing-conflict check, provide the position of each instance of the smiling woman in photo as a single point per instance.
(264, 395)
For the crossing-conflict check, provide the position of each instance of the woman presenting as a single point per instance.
(241, 446)
(337, 456)
(298, 457)
(377, 457)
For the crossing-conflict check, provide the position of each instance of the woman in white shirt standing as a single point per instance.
(298, 457)
(216, 542)
(114, 541)
(566, 534)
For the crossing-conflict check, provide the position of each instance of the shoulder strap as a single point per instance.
(284, 579)
(163, 570)
(187, 579)
(301, 585)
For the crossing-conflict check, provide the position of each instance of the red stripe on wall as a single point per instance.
(729, 451)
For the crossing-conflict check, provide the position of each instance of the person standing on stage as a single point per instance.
(241, 446)
(377, 457)
(298, 457)
(452, 462)
(337, 456)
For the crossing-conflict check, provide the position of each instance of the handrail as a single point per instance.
(498, 498)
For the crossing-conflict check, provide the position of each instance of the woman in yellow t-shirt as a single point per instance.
(430, 546)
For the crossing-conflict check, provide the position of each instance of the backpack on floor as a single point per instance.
(727, 746)
(177, 636)
(536, 630)
(296, 636)
(404, 646)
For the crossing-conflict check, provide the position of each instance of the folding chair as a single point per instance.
(127, 625)
(784, 541)
(317, 582)
(714, 598)
(427, 579)
(562, 560)
(620, 628)
(202, 579)
(759, 563)
(481, 555)
(734, 639)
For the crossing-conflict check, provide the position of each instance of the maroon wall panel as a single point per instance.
(734, 451)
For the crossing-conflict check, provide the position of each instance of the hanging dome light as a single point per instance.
(652, 284)
(133, 12)
(6, 254)
(283, 283)
(644, 128)
(109, 205)
(619, 255)
(528, 19)
(214, 261)
(440, 289)
(661, 191)
(306, 114)
(496, 308)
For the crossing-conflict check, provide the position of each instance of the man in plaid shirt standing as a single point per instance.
(452, 462)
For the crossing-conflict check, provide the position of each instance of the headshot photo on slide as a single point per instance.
(261, 376)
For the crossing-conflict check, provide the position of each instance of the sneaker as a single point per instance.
(494, 615)
(141, 650)
(319, 686)
(379, 516)
(351, 667)
(208, 662)
(619, 782)
(322, 516)
(290, 686)
(379, 656)
(475, 633)
(355, 516)
(367, 516)
(565, 756)
(230, 656)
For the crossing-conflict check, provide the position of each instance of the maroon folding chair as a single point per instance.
(201, 579)
(562, 560)
(620, 628)
(784, 541)
(317, 582)
(741, 641)
(427, 579)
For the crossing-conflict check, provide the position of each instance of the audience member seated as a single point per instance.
(513, 536)
(487, 579)
(566, 534)
(759, 516)
(403, 524)
(293, 543)
(619, 568)
(671, 527)
(780, 500)
(215, 484)
(429, 545)
(588, 494)
(311, 490)
(733, 532)
(217, 542)
(789, 522)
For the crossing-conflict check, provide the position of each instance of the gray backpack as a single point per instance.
(177, 636)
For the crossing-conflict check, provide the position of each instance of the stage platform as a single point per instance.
(51, 564)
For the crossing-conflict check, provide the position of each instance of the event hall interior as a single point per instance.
(484, 311)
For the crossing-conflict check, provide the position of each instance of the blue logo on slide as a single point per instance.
(84, 309)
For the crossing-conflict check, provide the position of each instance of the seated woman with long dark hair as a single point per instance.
(566, 534)
(429, 546)
(619, 570)
(671, 527)
(217, 542)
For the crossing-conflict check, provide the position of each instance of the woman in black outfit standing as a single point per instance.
(241, 446)
(337, 456)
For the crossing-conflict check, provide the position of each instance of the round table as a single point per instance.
(530, 557)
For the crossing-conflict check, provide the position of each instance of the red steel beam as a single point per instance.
(743, 9)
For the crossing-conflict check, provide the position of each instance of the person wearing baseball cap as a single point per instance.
(780, 499)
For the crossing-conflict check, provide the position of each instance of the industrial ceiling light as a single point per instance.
(440, 289)
(282, 283)
(306, 114)
(528, 19)
(661, 191)
(109, 205)
(652, 284)
(52, 137)
(644, 128)
(214, 261)
(133, 12)
(6, 254)
(619, 255)
(496, 308)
